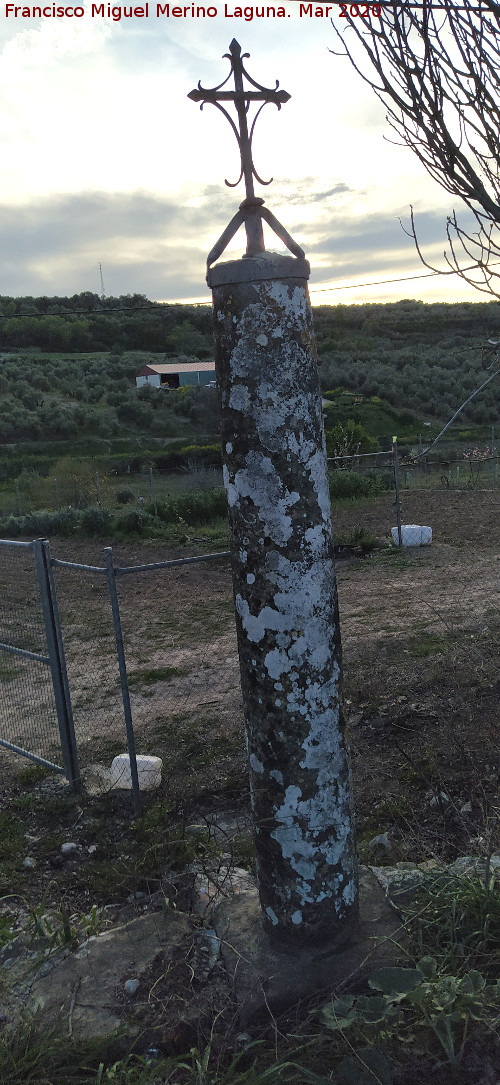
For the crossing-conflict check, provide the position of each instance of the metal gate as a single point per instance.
(35, 708)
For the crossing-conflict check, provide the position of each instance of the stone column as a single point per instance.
(285, 594)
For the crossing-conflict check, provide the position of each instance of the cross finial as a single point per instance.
(250, 210)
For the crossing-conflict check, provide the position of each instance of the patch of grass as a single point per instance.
(23, 802)
(422, 770)
(394, 808)
(8, 671)
(108, 879)
(427, 644)
(150, 675)
(204, 621)
(34, 1056)
(235, 784)
(12, 839)
(106, 749)
(54, 805)
(458, 920)
(171, 727)
(12, 849)
(6, 922)
(364, 541)
(398, 559)
(163, 842)
(32, 774)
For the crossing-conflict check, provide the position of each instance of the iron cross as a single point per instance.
(242, 98)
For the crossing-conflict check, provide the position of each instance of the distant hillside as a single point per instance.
(378, 418)
(425, 358)
(67, 365)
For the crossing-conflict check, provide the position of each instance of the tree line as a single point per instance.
(87, 322)
(425, 357)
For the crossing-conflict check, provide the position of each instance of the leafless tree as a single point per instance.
(435, 66)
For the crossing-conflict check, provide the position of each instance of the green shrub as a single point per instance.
(350, 484)
(95, 521)
(349, 438)
(134, 522)
(192, 508)
(38, 524)
(208, 455)
(124, 495)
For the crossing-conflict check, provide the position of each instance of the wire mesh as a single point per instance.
(90, 650)
(28, 718)
(182, 665)
(468, 469)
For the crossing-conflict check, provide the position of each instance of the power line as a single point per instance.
(380, 282)
(403, 279)
(157, 305)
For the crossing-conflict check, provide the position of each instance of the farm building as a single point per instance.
(175, 374)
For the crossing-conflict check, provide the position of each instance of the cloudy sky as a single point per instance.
(104, 158)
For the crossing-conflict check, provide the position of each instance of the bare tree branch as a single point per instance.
(436, 69)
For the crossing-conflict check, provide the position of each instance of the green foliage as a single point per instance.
(124, 495)
(349, 438)
(12, 845)
(32, 774)
(192, 508)
(208, 455)
(81, 323)
(182, 512)
(54, 928)
(349, 485)
(94, 394)
(460, 917)
(95, 521)
(134, 522)
(364, 541)
(376, 417)
(68, 367)
(443, 1003)
(427, 644)
(32, 1056)
(195, 1068)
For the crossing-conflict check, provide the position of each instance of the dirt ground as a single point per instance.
(420, 632)
(421, 640)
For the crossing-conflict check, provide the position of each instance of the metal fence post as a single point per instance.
(120, 651)
(57, 661)
(396, 481)
(153, 494)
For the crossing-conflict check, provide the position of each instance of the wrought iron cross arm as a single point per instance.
(278, 98)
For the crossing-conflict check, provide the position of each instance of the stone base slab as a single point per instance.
(268, 979)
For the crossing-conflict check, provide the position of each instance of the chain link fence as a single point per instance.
(150, 658)
(152, 662)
